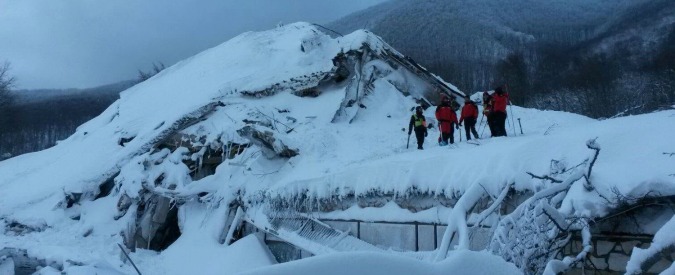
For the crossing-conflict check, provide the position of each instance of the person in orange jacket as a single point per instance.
(499, 102)
(469, 116)
(446, 119)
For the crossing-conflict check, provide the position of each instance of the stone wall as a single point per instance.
(611, 252)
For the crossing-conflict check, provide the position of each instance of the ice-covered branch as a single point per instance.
(495, 205)
(562, 266)
(532, 235)
(553, 215)
(273, 119)
(664, 243)
(669, 154)
(233, 224)
(179, 196)
(557, 188)
(457, 220)
(547, 177)
(593, 145)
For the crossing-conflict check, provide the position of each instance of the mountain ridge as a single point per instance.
(543, 50)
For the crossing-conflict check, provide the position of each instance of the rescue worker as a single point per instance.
(500, 100)
(446, 120)
(419, 124)
(469, 116)
(488, 113)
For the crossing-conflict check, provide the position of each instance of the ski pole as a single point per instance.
(506, 87)
(460, 134)
(440, 133)
(129, 258)
(481, 119)
(479, 125)
(512, 122)
(509, 123)
(408, 144)
(521, 126)
(483, 127)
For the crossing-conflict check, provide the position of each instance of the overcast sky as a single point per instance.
(85, 43)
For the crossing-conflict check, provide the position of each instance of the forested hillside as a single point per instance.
(39, 118)
(590, 57)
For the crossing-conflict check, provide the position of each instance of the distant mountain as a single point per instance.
(538, 47)
(636, 33)
(105, 92)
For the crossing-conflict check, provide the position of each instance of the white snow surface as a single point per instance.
(459, 262)
(364, 149)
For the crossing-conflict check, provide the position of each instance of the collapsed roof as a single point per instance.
(293, 119)
(293, 61)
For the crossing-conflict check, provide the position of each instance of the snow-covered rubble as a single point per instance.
(292, 119)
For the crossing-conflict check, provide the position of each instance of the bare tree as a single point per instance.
(6, 84)
(6, 96)
(156, 68)
(6, 103)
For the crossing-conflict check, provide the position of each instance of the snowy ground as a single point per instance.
(634, 169)
(460, 262)
(342, 150)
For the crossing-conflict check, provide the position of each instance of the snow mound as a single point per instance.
(280, 62)
(460, 262)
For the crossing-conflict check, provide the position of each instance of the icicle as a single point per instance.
(233, 226)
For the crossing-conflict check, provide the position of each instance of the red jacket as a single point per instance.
(500, 102)
(446, 117)
(469, 111)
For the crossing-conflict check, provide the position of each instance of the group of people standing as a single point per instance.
(494, 109)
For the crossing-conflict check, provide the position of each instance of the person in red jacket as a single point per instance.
(469, 116)
(446, 120)
(487, 111)
(499, 102)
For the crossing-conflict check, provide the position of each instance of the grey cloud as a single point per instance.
(84, 43)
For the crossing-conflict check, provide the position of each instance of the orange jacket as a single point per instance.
(469, 111)
(446, 117)
(500, 102)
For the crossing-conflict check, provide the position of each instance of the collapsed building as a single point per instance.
(296, 142)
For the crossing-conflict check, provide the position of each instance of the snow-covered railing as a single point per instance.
(412, 199)
(306, 232)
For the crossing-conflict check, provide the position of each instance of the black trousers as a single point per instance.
(448, 136)
(420, 138)
(499, 124)
(491, 123)
(470, 127)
